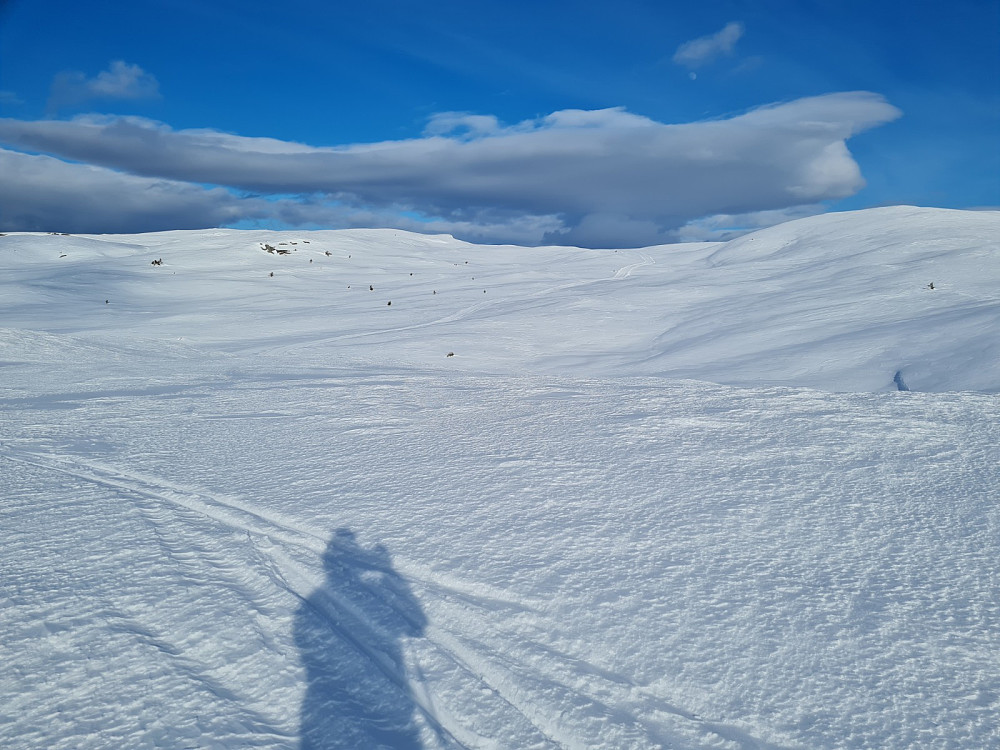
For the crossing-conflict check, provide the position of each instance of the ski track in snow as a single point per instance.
(168, 506)
(154, 497)
(485, 638)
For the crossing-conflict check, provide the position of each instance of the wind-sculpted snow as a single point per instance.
(250, 511)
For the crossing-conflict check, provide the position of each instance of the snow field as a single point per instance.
(239, 514)
(838, 302)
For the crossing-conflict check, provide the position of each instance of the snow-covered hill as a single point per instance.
(839, 301)
(547, 497)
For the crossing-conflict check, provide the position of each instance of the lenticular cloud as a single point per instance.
(596, 168)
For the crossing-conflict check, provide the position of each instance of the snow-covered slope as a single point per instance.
(244, 510)
(839, 301)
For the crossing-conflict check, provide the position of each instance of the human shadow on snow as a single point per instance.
(349, 633)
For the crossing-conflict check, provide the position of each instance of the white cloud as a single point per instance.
(123, 81)
(702, 50)
(574, 176)
(120, 81)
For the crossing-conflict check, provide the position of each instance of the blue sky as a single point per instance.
(592, 123)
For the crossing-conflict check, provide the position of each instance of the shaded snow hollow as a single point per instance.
(714, 495)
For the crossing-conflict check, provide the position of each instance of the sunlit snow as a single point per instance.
(381, 489)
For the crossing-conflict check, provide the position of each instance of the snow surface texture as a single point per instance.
(671, 497)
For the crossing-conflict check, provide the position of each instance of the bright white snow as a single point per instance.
(668, 497)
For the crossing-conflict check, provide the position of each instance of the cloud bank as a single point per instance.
(598, 178)
(40, 193)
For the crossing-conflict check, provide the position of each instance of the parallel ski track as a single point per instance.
(501, 673)
(296, 578)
